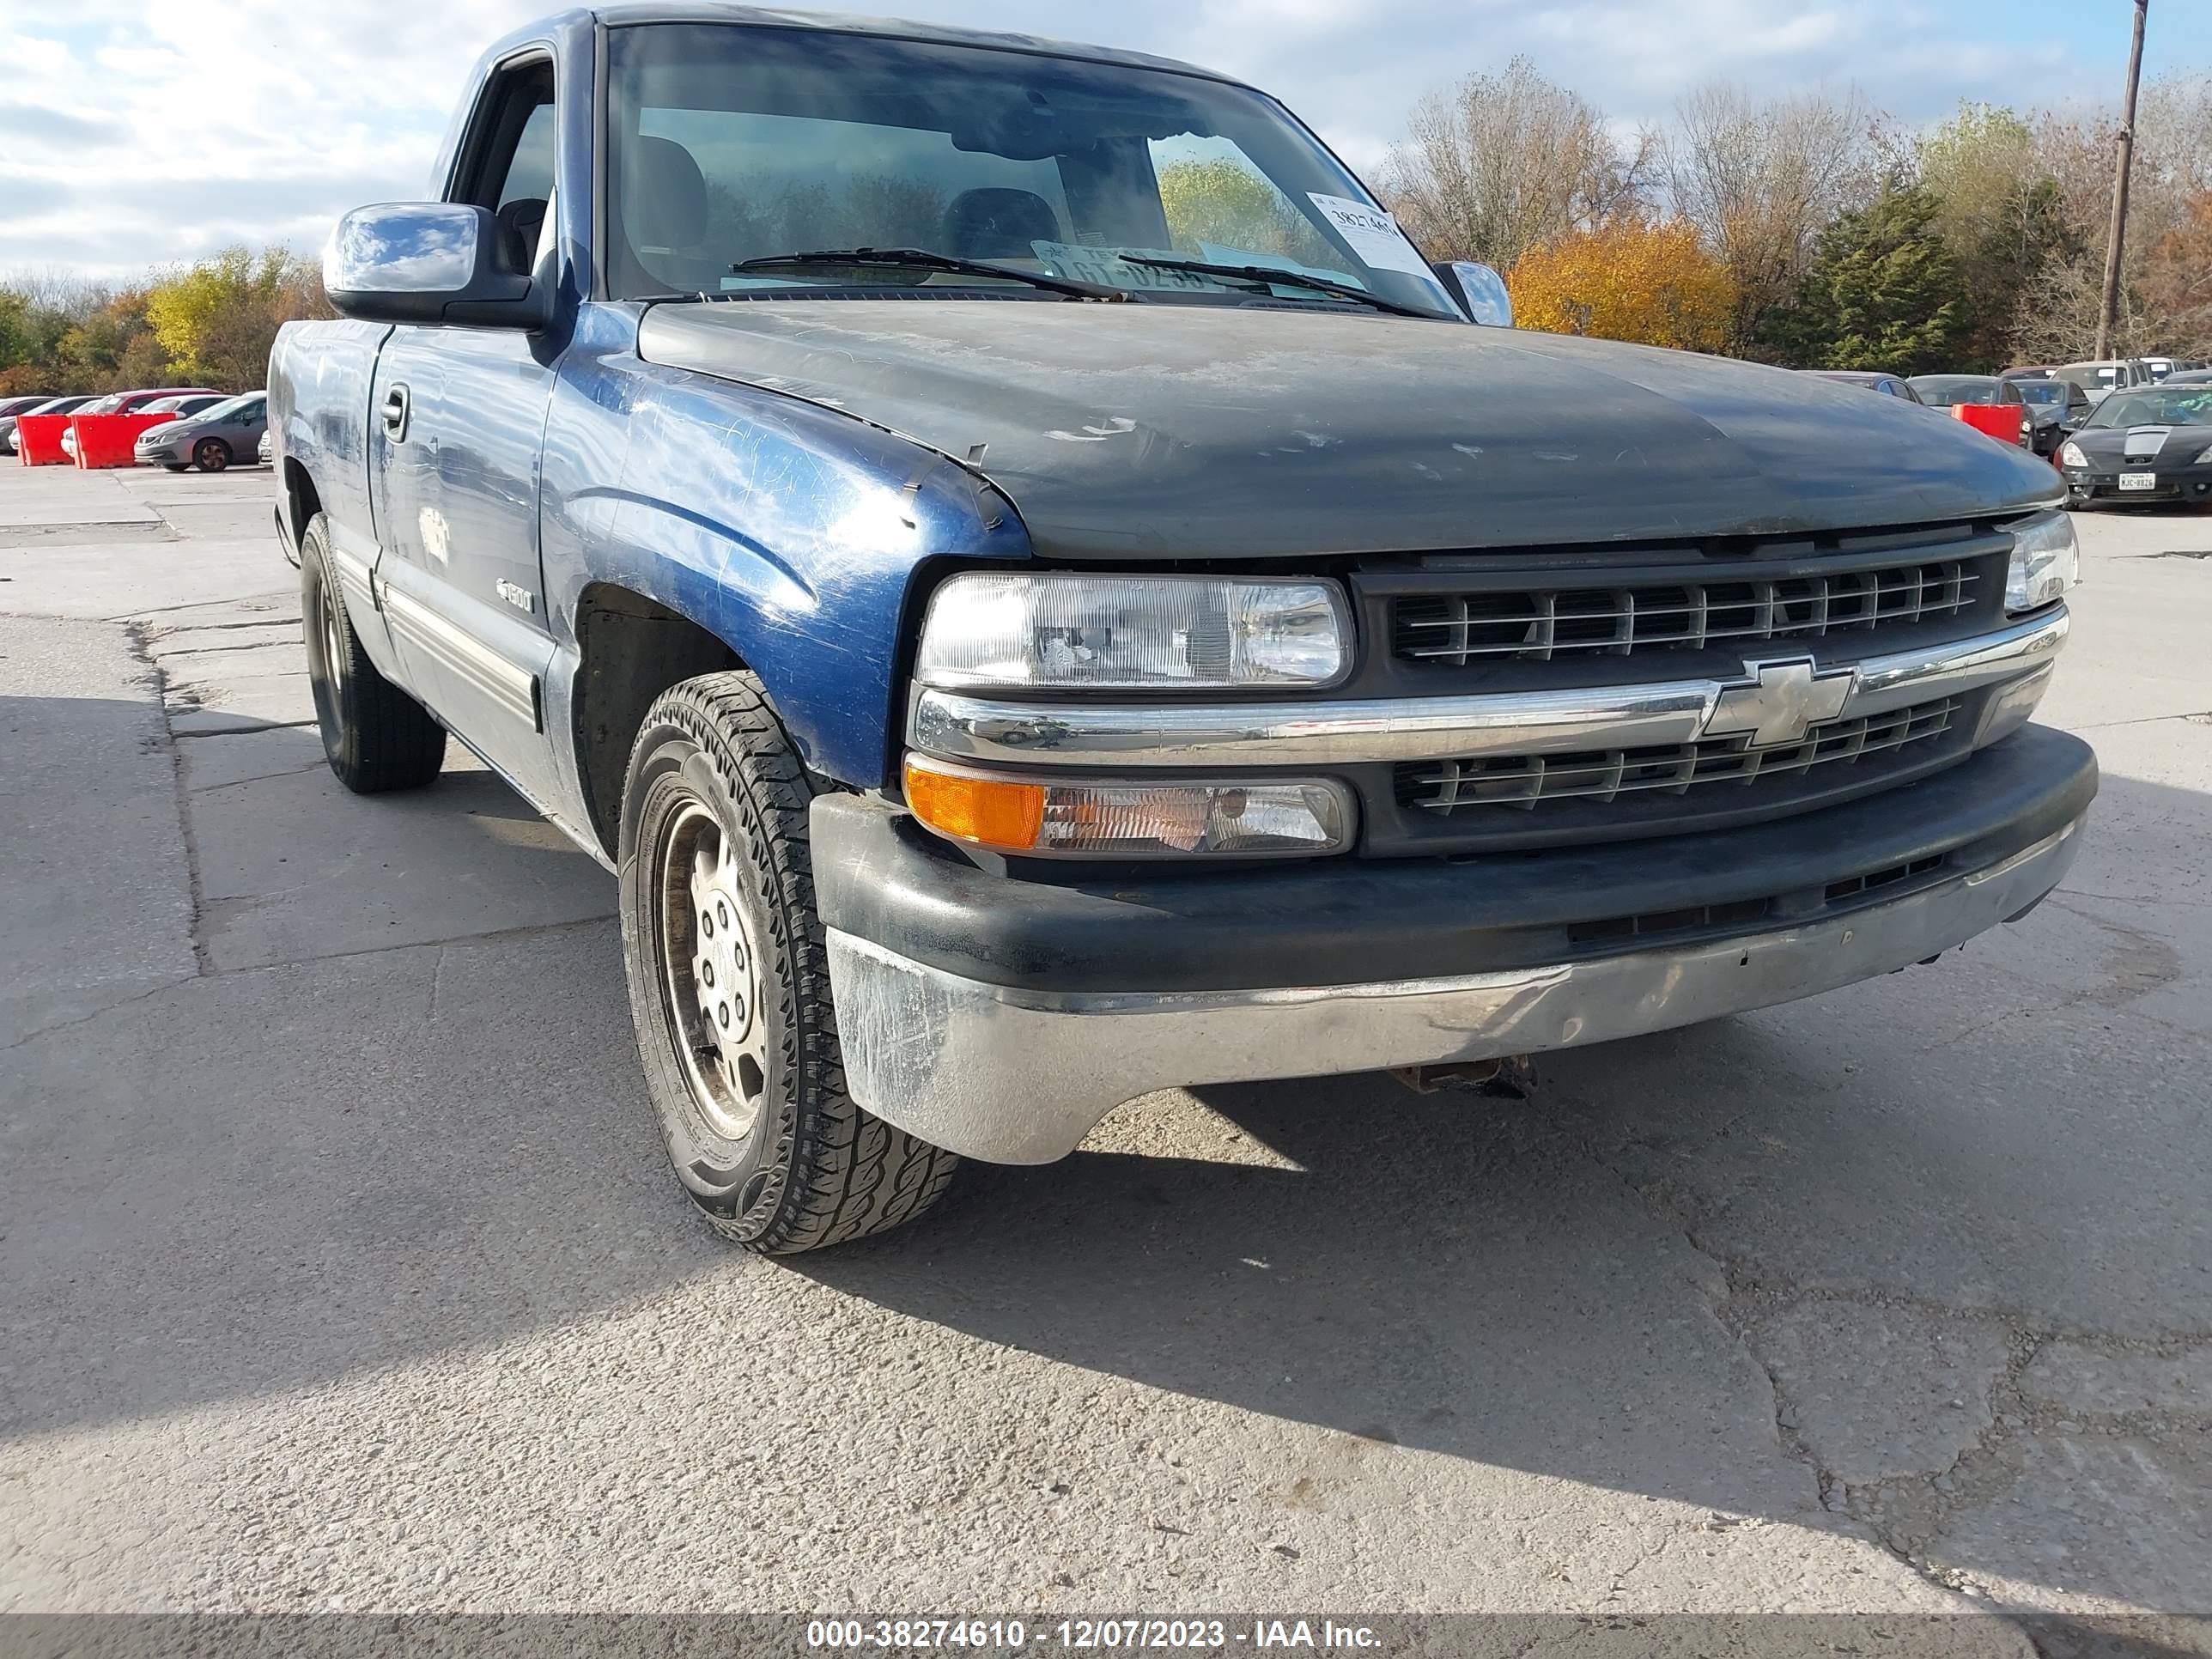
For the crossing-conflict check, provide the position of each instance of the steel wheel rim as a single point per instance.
(333, 656)
(710, 972)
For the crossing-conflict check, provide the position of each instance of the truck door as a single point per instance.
(458, 420)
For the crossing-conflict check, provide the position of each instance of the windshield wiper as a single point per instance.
(917, 258)
(1264, 274)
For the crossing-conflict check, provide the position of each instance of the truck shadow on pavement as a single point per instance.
(1675, 1272)
(1927, 1257)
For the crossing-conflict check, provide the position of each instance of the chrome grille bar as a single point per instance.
(1526, 780)
(1404, 729)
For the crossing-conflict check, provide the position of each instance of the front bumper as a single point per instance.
(172, 453)
(2175, 484)
(1002, 1018)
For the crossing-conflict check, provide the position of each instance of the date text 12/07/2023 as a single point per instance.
(988, 1636)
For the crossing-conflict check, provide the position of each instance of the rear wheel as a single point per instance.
(375, 736)
(729, 986)
(211, 454)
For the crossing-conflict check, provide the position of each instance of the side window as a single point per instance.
(507, 164)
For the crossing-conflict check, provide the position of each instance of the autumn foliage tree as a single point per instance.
(1629, 279)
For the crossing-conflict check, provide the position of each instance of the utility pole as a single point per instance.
(2108, 312)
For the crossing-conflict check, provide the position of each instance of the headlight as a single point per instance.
(1133, 633)
(1098, 819)
(2046, 561)
(2070, 453)
(2203, 458)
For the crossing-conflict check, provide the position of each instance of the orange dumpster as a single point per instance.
(39, 440)
(106, 439)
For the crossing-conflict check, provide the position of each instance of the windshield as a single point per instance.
(733, 143)
(2090, 377)
(2167, 406)
(106, 405)
(228, 407)
(1946, 389)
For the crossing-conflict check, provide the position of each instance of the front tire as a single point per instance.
(375, 736)
(211, 454)
(729, 986)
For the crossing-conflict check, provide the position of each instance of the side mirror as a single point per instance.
(1479, 290)
(430, 263)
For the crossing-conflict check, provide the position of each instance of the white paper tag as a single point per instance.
(1372, 233)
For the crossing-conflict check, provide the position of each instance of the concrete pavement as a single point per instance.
(343, 1270)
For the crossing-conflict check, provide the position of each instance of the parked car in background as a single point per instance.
(131, 403)
(2027, 372)
(2190, 377)
(1978, 393)
(10, 409)
(2148, 443)
(48, 406)
(2056, 407)
(1890, 385)
(147, 400)
(2099, 379)
(263, 451)
(2162, 369)
(209, 436)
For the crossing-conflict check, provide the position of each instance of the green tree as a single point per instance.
(1883, 292)
(217, 320)
(2003, 216)
(1224, 202)
(107, 344)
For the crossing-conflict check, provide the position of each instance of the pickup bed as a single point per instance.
(1040, 594)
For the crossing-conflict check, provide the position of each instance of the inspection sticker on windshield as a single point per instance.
(1372, 233)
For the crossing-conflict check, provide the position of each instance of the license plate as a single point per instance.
(2138, 480)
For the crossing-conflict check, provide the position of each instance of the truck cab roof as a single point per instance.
(623, 12)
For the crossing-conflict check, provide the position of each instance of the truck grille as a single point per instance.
(1527, 783)
(1540, 623)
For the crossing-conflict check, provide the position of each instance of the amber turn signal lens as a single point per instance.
(986, 811)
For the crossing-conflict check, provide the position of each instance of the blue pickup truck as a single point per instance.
(1039, 593)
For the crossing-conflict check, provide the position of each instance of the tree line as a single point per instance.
(1813, 231)
(1809, 230)
(210, 325)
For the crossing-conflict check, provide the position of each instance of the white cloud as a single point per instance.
(141, 134)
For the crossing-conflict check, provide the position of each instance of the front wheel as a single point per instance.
(211, 454)
(729, 986)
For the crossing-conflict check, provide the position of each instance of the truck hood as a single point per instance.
(1162, 431)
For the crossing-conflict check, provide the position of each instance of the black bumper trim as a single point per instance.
(1349, 921)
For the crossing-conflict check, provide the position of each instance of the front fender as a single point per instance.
(792, 533)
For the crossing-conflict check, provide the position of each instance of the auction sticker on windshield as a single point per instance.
(1371, 233)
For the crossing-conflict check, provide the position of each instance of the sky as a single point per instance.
(141, 133)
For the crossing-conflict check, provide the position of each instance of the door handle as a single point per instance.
(397, 404)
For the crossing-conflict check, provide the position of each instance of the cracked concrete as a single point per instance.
(342, 1258)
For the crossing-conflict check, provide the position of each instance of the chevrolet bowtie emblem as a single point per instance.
(1782, 699)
